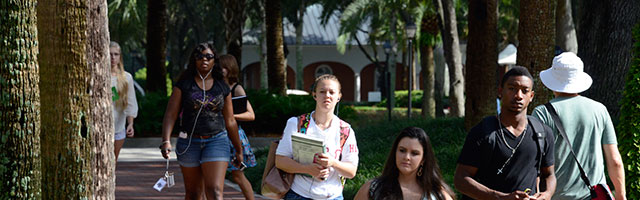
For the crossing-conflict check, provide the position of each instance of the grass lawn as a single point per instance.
(375, 136)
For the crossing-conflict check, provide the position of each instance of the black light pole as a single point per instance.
(410, 29)
(386, 78)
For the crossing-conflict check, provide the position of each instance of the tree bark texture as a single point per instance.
(77, 127)
(100, 108)
(482, 61)
(65, 89)
(156, 45)
(565, 29)
(536, 33)
(451, 46)
(275, 51)
(234, 17)
(20, 176)
(391, 62)
(428, 81)
(605, 43)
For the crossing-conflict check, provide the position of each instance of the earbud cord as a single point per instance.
(197, 115)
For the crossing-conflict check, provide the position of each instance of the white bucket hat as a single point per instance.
(566, 74)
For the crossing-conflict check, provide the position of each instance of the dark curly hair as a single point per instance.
(191, 71)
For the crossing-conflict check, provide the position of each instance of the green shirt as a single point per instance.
(588, 126)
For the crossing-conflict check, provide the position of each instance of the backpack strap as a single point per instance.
(344, 134)
(303, 123)
(539, 136)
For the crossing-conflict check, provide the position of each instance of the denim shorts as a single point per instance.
(120, 135)
(292, 195)
(215, 148)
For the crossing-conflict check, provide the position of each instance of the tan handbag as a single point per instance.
(275, 182)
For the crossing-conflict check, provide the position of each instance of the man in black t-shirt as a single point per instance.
(504, 155)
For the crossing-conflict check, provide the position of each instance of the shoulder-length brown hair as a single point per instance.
(229, 62)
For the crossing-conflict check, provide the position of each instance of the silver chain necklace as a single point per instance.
(513, 150)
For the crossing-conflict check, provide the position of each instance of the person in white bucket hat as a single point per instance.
(588, 128)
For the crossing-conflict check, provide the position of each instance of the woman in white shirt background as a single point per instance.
(125, 105)
(320, 180)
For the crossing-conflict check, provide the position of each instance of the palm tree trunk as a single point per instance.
(482, 61)
(100, 109)
(428, 81)
(275, 50)
(156, 45)
(234, 17)
(565, 29)
(536, 34)
(453, 56)
(299, 26)
(72, 64)
(440, 78)
(391, 64)
(605, 43)
(20, 118)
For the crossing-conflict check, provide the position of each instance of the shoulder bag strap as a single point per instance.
(558, 124)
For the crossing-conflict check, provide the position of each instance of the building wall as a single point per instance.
(355, 71)
(344, 73)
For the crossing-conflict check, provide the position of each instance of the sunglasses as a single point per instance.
(208, 56)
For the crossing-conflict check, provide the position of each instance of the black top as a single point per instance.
(484, 149)
(239, 102)
(211, 120)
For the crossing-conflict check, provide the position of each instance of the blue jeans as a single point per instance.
(291, 195)
(215, 148)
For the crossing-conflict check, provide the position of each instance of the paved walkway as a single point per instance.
(140, 165)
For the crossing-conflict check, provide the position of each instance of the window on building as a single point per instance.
(323, 69)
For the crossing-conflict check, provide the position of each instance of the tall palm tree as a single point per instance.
(565, 28)
(482, 61)
(234, 17)
(536, 35)
(451, 46)
(277, 73)
(76, 125)
(604, 45)
(156, 45)
(20, 118)
(101, 126)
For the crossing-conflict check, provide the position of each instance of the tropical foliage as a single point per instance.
(628, 127)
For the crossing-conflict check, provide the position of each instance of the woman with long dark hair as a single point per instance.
(204, 100)
(411, 171)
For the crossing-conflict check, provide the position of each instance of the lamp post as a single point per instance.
(386, 78)
(410, 29)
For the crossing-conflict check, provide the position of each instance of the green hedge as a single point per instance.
(151, 109)
(374, 143)
(402, 96)
(629, 126)
(272, 111)
(416, 99)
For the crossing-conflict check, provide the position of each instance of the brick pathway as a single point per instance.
(134, 180)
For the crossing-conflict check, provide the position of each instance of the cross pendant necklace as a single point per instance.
(513, 150)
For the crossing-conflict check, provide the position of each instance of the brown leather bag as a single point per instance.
(275, 182)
